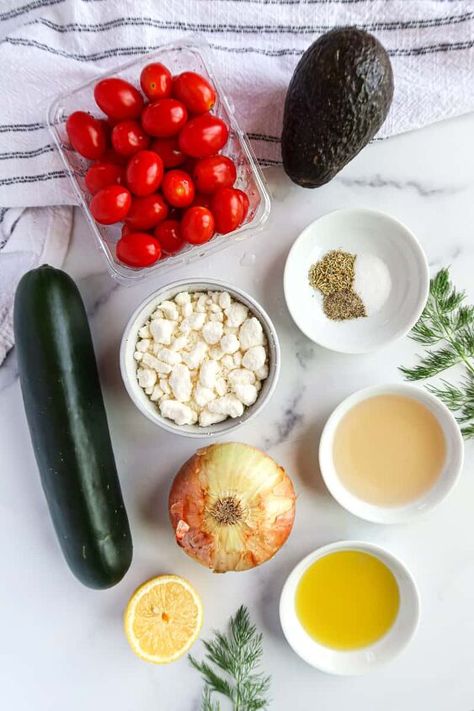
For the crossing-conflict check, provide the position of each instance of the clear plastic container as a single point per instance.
(186, 55)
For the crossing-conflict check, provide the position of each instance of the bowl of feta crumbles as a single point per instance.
(200, 358)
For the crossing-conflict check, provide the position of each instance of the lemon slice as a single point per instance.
(163, 618)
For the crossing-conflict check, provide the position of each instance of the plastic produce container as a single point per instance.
(187, 55)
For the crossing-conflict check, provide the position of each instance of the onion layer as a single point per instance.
(231, 506)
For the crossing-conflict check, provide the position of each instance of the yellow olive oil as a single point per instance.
(389, 450)
(347, 599)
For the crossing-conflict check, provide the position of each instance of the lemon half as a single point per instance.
(163, 619)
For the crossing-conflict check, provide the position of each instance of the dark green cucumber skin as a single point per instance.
(68, 426)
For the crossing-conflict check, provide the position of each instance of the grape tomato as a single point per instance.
(168, 234)
(146, 212)
(197, 225)
(178, 188)
(118, 98)
(156, 81)
(86, 134)
(194, 91)
(111, 204)
(228, 209)
(203, 136)
(163, 118)
(169, 151)
(102, 174)
(214, 172)
(138, 249)
(144, 173)
(128, 138)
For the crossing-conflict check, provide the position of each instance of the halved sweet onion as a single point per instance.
(231, 506)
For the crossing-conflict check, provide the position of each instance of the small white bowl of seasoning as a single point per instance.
(390, 453)
(349, 607)
(356, 280)
(148, 351)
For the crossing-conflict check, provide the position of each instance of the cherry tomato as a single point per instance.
(197, 225)
(144, 173)
(146, 212)
(202, 200)
(156, 81)
(101, 174)
(178, 188)
(228, 209)
(165, 117)
(203, 136)
(125, 230)
(168, 234)
(214, 172)
(118, 99)
(138, 249)
(195, 92)
(86, 134)
(168, 150)
(111, 204)
(244, 199)
(128, 138)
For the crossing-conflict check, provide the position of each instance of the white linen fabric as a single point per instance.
(51, 46)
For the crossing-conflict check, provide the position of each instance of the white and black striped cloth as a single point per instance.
(49, 46)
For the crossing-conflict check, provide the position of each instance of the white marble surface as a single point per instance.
(62, 644)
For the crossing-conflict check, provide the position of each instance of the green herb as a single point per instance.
(446, 329)
(335, 271)
(230, 667)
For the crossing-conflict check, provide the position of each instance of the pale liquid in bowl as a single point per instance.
(389, 450)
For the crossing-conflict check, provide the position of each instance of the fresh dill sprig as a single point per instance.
(446, 329)
(236, 656)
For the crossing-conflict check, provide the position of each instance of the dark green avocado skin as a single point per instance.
(337, 100)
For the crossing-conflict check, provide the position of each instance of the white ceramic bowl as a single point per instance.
(393, 514)
(128, 365)
(358, 231)
(362, 660)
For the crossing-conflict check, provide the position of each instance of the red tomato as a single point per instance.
(195, 92)
(202, 200)
(101, 174)
(178, 188)
(203, 136)
(213, 173)
(168, 150)
(138, 249)
(244, 198)
(146, 212)
(128, 138)
(144, 173)
(165, 117)
(118, 99)
(168, 234)
(111, 204)
(156, 81)
(197, 225)
(125, 230)
(86, 134)
(228, 209)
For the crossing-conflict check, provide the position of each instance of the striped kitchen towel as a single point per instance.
(50, 46)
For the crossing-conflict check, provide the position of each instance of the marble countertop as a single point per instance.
(63, 645)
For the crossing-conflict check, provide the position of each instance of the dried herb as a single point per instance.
(236, 657)
(342, 305)
(334, 272)
(446, 329)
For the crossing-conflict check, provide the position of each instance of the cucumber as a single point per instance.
(68, 426)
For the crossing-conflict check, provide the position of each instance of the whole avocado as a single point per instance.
(337, 100)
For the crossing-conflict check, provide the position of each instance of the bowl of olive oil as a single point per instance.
(348, 607)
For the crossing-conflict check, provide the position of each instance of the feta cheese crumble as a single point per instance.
(201, 358)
